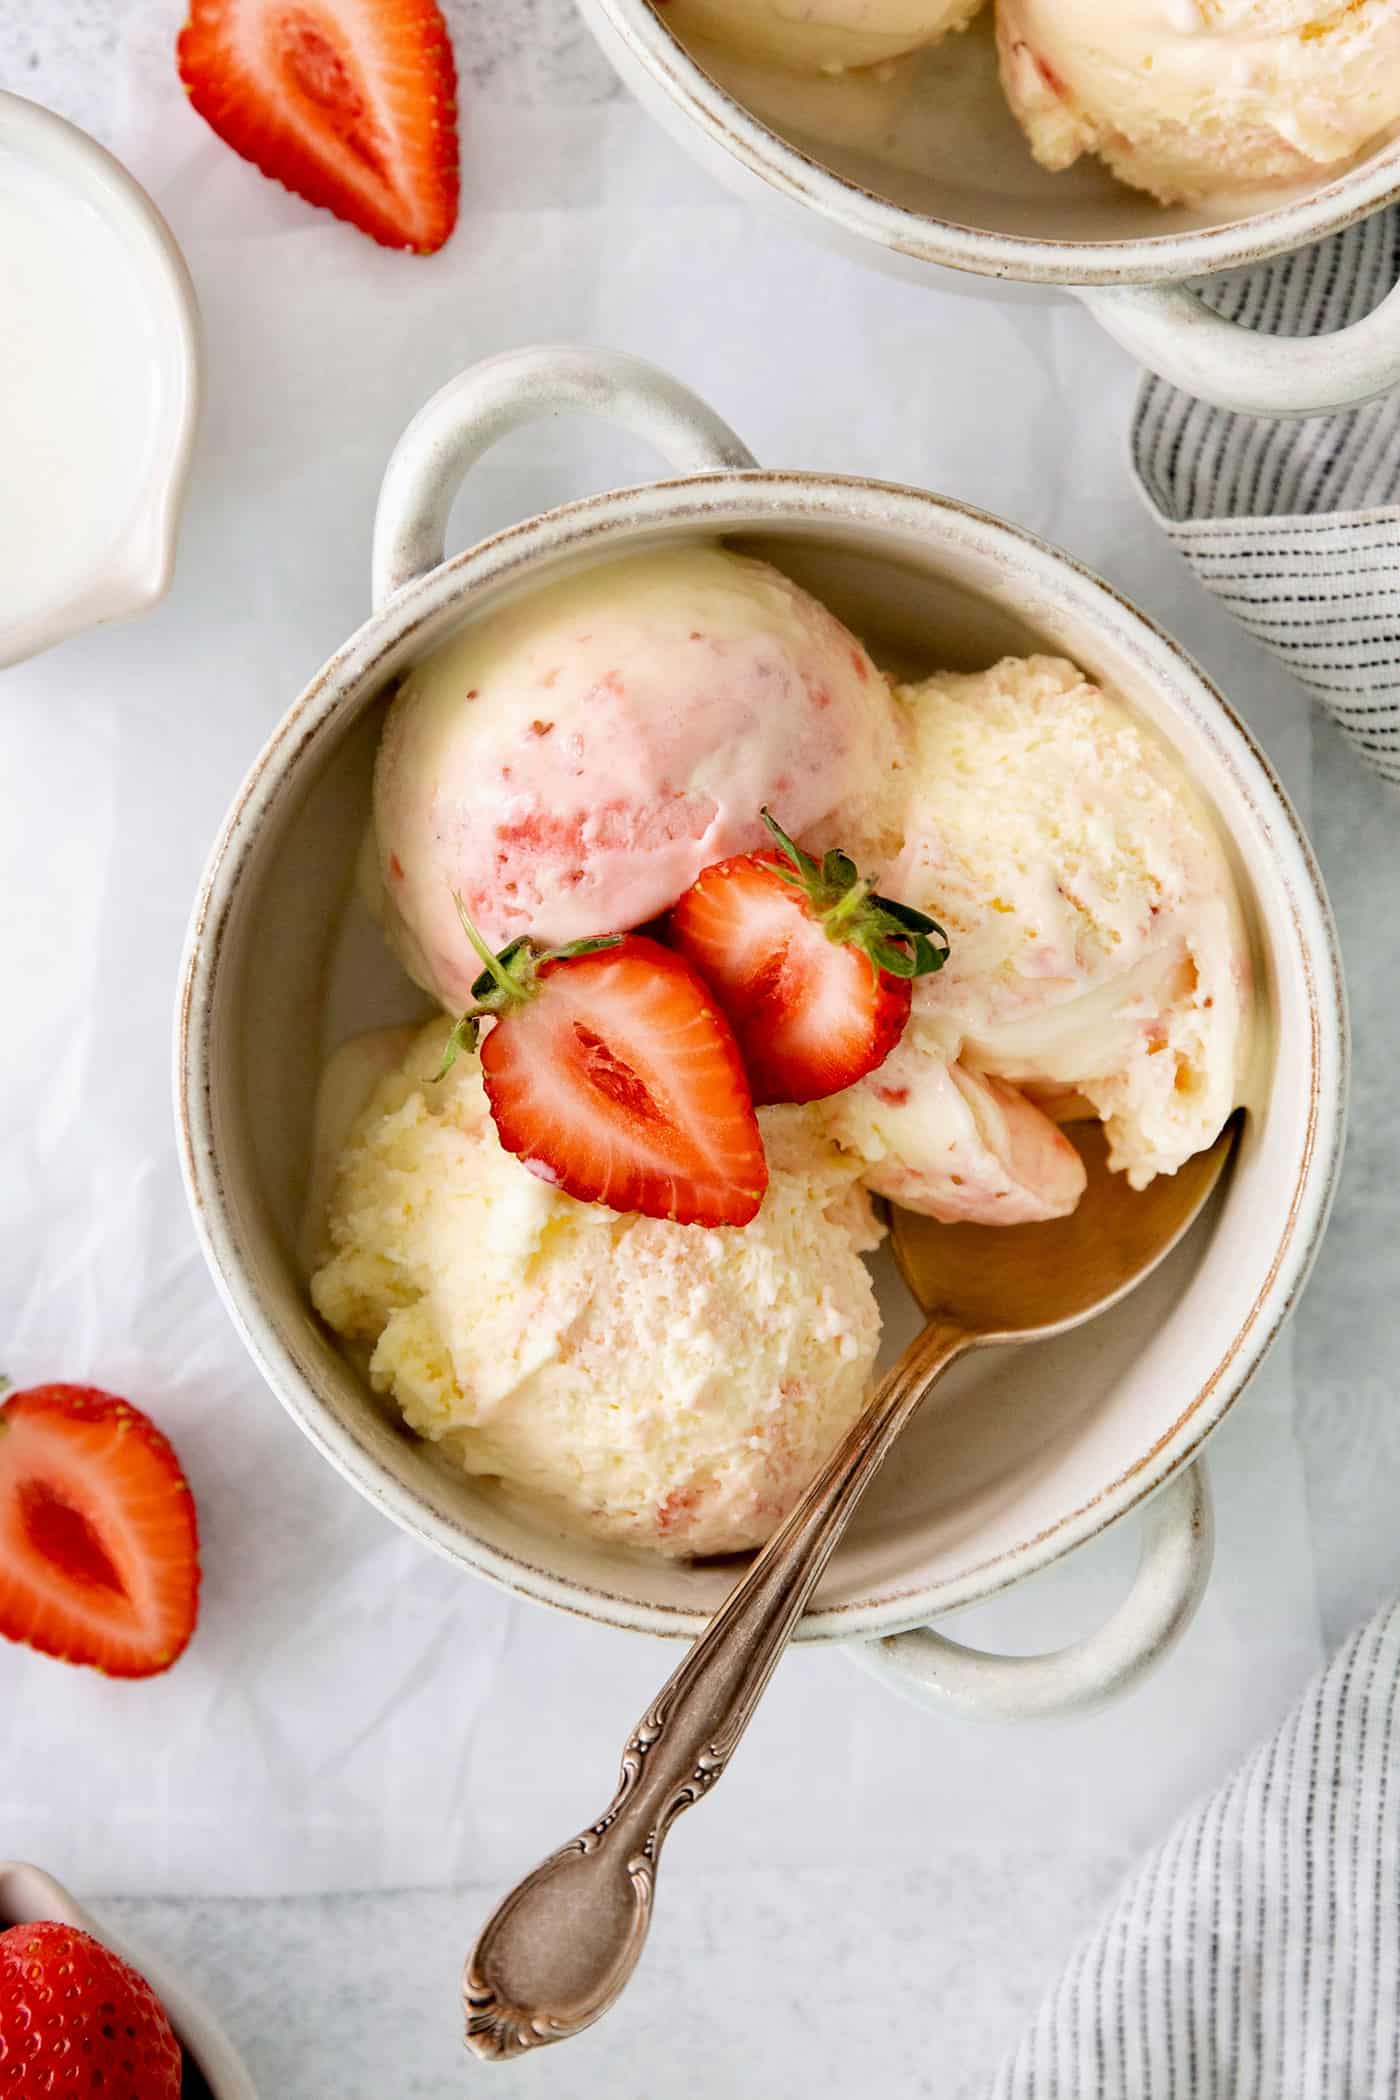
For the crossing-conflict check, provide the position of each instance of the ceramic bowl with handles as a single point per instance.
(1028, 1454)
(920, 168)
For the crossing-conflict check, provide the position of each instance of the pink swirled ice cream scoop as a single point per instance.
(570, 764)
(1100, 963)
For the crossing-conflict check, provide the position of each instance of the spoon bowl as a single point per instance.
(1012, 1283)
(560, 1948)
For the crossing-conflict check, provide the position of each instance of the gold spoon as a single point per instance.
(559, 1949)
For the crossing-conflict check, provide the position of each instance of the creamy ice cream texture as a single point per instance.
(666, 1386)
(1098, 952)
(820, 36)
(569, 765)
(1187, 98)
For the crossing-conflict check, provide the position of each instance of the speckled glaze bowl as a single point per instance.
(1027, 1455)
(920, 168)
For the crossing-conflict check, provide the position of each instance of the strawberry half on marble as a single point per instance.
(99, 1547)
(350, 103)
(611, 1073)
(814, 971)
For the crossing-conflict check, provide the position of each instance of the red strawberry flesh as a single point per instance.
(812, 1014)
(98, 1539)
(350, 103)
(619, 1081)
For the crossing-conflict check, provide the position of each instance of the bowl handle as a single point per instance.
(495, 397)
(1175, 334)
(1174, 1566)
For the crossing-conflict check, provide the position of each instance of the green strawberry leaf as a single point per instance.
(508, 979)
(893, 935)
(463, 1037)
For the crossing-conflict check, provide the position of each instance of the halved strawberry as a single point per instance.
(99, 1550)
(351, 103)
(610, 1073)
(811, 967)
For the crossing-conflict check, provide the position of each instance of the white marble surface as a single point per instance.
(799, 1970)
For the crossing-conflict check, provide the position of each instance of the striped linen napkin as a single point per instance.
(1256, 1955)
(1295, 526)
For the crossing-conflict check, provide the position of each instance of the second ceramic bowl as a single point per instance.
(920, 168)
(1024, 1458)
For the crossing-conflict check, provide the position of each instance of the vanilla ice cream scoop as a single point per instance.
(569, 765)
(1098, 951)
(667, 1386)
(820, 36)
(1188, 98)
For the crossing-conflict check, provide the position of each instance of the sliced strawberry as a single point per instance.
(611, 1074)
(813, 970)
(351, 103)
(99, 1551)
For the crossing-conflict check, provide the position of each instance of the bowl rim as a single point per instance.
(713, 504)
(922, 237)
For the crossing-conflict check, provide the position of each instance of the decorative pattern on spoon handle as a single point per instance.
(558, 1950)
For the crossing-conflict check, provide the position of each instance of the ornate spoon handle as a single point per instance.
(558, 1950)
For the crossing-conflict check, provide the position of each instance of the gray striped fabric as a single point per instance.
(1256, 1956)
(1296, 526)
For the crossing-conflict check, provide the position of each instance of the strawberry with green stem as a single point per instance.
(814, 970)
(611, 1073)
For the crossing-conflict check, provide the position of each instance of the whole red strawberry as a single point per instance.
(812, 968)
(75, 2018)
(99, 1548)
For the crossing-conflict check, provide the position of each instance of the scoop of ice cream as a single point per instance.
(1187, 98)
(956, 1144)
(668, 1386)
(569, 765)
(1097, 948)
(820, 36)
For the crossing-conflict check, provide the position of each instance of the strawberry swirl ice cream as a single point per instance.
(571, 764)
(1099, 956)
(672, 1372)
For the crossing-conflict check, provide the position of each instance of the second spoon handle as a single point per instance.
(558, 1950)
